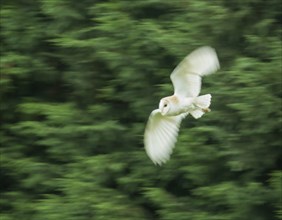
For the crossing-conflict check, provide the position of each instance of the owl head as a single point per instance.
(164, 106)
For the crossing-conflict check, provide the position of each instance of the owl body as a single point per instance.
(173, 105)
(163, 124)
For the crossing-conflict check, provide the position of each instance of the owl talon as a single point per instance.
(206, 110)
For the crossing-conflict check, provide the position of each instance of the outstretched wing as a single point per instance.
(161, 135)
(186, 77)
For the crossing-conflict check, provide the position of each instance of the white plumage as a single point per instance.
(163, 125)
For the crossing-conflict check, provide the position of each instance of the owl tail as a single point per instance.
(202, 102)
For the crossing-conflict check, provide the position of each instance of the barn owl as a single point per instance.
(163, 124)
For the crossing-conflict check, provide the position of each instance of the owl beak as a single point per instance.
(163, 111)
(161, 107)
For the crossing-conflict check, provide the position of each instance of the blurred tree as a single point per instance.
(78, 81)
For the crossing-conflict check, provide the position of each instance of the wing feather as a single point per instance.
(161, 135)
(186, 77)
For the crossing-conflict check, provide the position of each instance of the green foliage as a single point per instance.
(78, 81)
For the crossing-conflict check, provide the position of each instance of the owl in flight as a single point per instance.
(163, 124)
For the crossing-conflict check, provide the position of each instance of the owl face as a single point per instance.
(164, 106)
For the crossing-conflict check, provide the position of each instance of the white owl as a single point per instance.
(163, 125)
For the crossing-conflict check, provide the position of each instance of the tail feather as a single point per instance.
(203, 101)
(202, 104)
(198, 113)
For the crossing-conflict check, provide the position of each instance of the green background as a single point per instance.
(79, 80)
